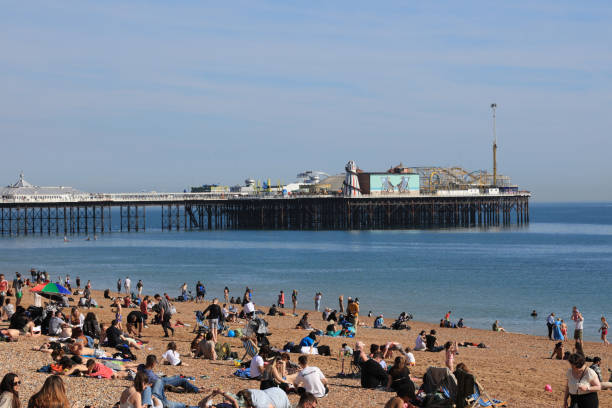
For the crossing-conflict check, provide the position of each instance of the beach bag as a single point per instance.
(324, 350)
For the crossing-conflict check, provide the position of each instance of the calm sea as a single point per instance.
(563, 258)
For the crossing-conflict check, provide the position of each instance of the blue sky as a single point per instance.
(129, 96)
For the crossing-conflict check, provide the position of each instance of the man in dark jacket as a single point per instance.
(372, 373)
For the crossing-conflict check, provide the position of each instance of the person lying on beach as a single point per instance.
(95, 369)
(208, 400)
(69, 366)
(249, 398)
(171, 356)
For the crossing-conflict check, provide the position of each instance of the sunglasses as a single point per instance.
(16, 383)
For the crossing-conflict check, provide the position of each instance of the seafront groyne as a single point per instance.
(93, 214)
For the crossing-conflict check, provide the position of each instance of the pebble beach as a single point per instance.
(514, 367)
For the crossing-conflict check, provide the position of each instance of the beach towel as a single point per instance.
(244, 373)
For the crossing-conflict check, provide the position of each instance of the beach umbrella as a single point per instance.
(51, 289)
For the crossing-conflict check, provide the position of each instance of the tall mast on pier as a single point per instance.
(493, 107)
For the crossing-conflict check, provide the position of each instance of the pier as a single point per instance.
(93, 213)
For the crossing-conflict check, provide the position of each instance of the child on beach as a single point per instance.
(171, 356)
(604, 330)
(564, 330)
(450, 351)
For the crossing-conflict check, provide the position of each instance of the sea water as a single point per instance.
(561, 259)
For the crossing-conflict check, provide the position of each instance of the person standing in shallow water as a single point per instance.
(119, 285)
(317, 301)
(226, 294)
(294, 299)
(341, 303)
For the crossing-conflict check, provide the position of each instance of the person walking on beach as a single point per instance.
(4, 285)
(127, 284)
(281, 300)
(341, 303)
(165, 313)
(317, 300)
(139, 287)
(18, 289)
(78, 282)
(604, 330)
(582, 384)
(550, 322)
(214, 315)
(294, 300)
(119, 286)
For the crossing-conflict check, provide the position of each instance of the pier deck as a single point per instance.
(94, 213)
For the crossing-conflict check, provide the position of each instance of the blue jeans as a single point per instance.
(158, 390)
(90, 341)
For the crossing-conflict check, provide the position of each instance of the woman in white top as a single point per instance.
(420, 342)
(171, 356)
(9, 389)
(582, 384)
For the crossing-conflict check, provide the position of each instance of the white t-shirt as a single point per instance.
(127, 283)
(579, 322)
(310, 378)
(249, 307)
(572, 382)
(383, 364)
(256, 362)
(410, 358)
(272, 396)
(173, 357)
(9, 310)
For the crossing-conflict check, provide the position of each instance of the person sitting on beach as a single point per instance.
(76, 318)
(22, 324)
(7, 310)
(399, 374)
(311, 379)
(91, 327)
(432, 342)
(195, 343)
(379, 323)
(273, 376)
(460, 323)
(309, 343)
(273, 311)
(333, 316)
(372, 373)
(206, 348)
(304, 323)
(248, 309)
(159, 383)
(131, 397)
(596, 366)
(420, 343)
(230, 314)
(171, 356)
(557, 352)
(115, 338)
(405, 395)
(407, 353)
(258, 363)
(497, 327)
(9, 391)
(51, 395)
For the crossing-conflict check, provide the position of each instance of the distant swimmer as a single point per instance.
(95, 237)
(87, 239)
(534, 314)
(66, 239)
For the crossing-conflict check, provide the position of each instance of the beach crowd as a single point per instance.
(78, 344)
